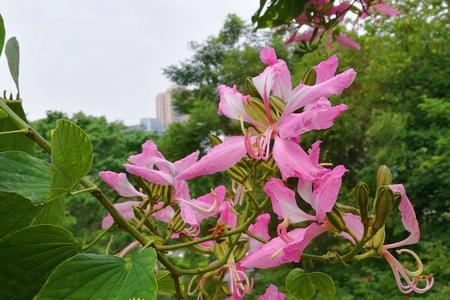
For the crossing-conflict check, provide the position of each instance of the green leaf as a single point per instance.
(16, 212)
(71, 158)
(324, 285)
(29, 255)
(277, 12)
(52, 212)
(303, 286)
(12, 52)
(24, 174)
(166, 286)
(3, 114)
(2, 34)
(16, 141)
(299, 284)
(93, 276)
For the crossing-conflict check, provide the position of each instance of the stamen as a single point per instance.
(418, 262)
(282, 231)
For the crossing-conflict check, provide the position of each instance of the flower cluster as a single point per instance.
(321, 17)
(266, 161)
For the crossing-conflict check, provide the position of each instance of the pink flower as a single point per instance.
(261, 229)
(276, 80)
(119, 183)
(407, 281)
(272, 293)
(124, 208)
(143, 164)
(283, 250)
(385, 9)
(193, 211)
(344, 40)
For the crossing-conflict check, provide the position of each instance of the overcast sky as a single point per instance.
(105, 57)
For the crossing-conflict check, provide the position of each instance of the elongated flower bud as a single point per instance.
(250, 89)
(384, 176)
(220, 249)
(378, 239)
(240, 250)
(309, 78)
(361, 194)
(384, 204)
(336, 221)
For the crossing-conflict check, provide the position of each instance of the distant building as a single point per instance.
(164, 109)
(149, 124)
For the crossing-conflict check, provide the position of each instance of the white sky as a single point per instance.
(105, 57)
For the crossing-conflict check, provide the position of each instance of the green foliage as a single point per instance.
(24, 174)
(93, 276)
(16, 212)
(14, 141)
(277, 12)
(303, 285)
(2, 34)
(165, 283)
(12, 52)
(29, 256)
(71, 157)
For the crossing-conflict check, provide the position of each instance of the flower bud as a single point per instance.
(250, 89)
(378, 239)
(336, 221)
(176, 224)
(361, 193)
(220, 249)
(384, 204)
(256, 110)
(240, 250)
(309, 78)
(384, 176)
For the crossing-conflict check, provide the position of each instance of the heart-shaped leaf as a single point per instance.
(93, 276)
(299, 284)
(303, 286)
(24, 174)
(16, 212)
(29, 255)
(71, 158)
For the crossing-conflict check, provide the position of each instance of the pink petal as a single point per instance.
(231, 103)
(268, 56)
(339, 9)
(227, 215)
(188, 213)
(165, 214)
(300, 167)
(293, 251)
(147, 156)
(326, 190)
(268, 256)
(309, 94)
(124, 208)
(353, 222)
(344, 40)
(283, 202)
(120, 183)
(218, 159)
(272, 293)
(261, 229)
(409, 219)
(155, 176)
(314, 152)
(186, 162)
(326, 69)
(274, 78)
(320, 115)
(386, 9)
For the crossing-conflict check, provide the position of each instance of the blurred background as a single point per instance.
(129, 72)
